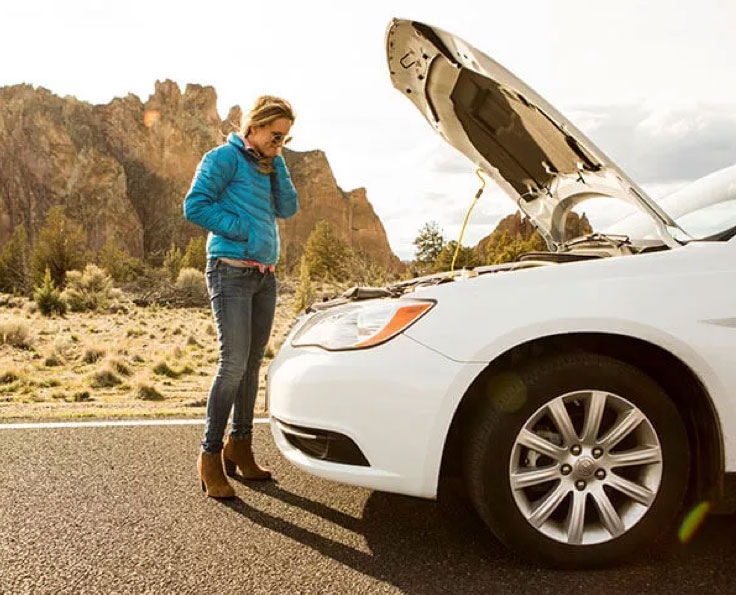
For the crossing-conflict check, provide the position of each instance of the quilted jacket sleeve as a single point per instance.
(202, 203)
(285, 199)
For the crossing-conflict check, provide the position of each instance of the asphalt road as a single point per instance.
(120, 510)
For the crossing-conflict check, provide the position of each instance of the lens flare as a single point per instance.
(150, 117)
(693, 521)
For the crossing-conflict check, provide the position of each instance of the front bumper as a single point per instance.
(394, 402)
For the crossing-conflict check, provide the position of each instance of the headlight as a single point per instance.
(360, 325)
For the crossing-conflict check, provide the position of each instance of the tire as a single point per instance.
(638, 423)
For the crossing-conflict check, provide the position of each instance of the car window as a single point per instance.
(710, 219)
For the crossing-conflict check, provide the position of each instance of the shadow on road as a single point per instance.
(411, 541)
(420, 546)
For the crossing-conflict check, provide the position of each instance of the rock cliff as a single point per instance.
(122, 170)
(516, 225)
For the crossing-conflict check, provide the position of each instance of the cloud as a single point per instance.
(444, 159)
(659, 146)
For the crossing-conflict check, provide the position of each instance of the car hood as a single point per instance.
(545, 164)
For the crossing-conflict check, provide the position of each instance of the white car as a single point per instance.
(586, 395)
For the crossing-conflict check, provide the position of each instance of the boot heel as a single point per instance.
(204, 489)
(230, 467)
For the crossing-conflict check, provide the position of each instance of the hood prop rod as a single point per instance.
(467, 216)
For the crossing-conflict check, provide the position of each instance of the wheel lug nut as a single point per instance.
(600, 474)
(580, 485)
(566, 469)
(597, 452)
(576, 450)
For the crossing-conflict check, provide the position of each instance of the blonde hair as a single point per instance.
(265, 110)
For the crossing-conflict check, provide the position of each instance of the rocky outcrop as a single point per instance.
(123, 168)
(518, 226)
(320, 198)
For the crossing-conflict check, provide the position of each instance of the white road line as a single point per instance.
(108, 424)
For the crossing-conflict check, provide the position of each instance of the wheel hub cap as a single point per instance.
(586, 467)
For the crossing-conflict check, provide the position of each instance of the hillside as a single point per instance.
(122, 170)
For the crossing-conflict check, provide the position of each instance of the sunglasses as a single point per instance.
(278, 138)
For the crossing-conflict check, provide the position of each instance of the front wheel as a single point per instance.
(578, 460)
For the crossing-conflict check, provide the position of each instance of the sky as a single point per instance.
(650, 82)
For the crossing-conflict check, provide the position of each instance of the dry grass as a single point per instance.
(147, 392)
(16, 333)
(119, 366)
(9, 376)
(163, 368)
(93, 353)
(105, 377)
(93, 364)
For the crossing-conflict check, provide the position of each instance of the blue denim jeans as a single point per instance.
(243, 304)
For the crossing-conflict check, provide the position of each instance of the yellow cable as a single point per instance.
(467, 216)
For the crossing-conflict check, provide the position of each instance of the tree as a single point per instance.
(305, 293)
(501, 248)
(172, 262)
(60, 247)
(195, 256)
(47, 296)
(465, 258)
(14, 263)
(119, 264)
(325, 253)
(429, 244)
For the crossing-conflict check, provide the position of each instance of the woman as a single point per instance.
(238, 190)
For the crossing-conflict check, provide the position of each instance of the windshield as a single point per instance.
(709, 220)
(705, 208)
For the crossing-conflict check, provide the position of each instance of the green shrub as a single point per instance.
(172, 262)
(90, 290)
(195, 256)
(305, 293)
(119, 264)
(465, 257)
(60, 247)
(47, 297)
(15, 263)
(325, 253)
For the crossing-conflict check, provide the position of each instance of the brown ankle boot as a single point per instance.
(239, 453)
(212, 478)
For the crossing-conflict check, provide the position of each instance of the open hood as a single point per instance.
(534, 154)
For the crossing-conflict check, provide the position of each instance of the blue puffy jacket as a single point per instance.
(238, 205)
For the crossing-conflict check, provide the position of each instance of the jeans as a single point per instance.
(243, 304)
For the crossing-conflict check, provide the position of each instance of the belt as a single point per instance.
(249, 264)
